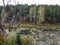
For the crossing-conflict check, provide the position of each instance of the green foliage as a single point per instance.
(52, 12)
(19, 40)
(12, 41)
(22, 40)
(6, 41)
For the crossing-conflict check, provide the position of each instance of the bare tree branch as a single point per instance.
(13, 19)
(17, 26)
(3, 12)
(3, 16)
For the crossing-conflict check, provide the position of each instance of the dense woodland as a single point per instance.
(51, 12)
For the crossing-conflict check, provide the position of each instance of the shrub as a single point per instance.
(22, 40)
(12, 41)
(3, 39)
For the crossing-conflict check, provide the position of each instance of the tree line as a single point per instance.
(51, 12)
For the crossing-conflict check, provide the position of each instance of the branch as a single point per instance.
(17, 26)
(2, 12)
(13, 19)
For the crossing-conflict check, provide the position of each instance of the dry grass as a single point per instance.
(38, 26)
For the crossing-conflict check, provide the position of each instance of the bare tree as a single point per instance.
(13, 19)
(3, 17)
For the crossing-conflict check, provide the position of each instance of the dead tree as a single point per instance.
(3, 17)
(11, 22)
